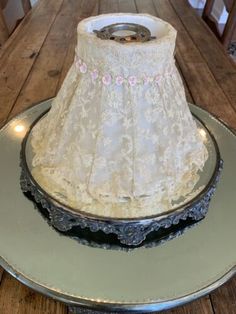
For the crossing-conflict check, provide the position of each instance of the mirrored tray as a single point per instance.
(141, 280)
(124, 232)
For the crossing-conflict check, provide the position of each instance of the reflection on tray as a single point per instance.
(101, 240)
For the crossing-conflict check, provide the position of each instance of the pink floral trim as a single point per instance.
(132, 80)
(106, 79)
(158, 79)
(94, 75)
(147, 79)
(83, 68)
(119, 80)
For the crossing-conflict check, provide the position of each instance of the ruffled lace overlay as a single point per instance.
(119, 140)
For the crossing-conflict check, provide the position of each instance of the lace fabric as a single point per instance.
(119, 150)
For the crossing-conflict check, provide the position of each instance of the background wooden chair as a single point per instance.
(225, 36)
(11, 13)
(4, 33)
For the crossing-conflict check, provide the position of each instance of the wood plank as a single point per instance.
(108, 6)
(11, 40)
(4, 34)
(195, 70)
(146, 6)
(1, 274)
(201, 306)
(127, 6)
(185, 46)
(17, 63)
(222, 67)
(224, 298)
(229, 28)
(43, 78)
(88, 8)
(43, 81)
(15, 298)
(213, 99)
(26, 4)
(26, 301)
(71, 50)
(149, 8)
(42, 7)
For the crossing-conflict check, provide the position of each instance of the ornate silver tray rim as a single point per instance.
(157, 305)
(129, 231)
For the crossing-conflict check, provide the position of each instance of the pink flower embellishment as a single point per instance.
(147, 79)
(83, 68)
(106, 79)
(119, 80)
(132, 80)
(94, 75)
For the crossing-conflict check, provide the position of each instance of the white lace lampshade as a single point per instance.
(119, 140)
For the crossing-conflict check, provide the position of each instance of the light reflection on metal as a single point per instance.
(203, 134)
(19, 128)
(125, 33)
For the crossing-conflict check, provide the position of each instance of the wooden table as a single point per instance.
(33, 64)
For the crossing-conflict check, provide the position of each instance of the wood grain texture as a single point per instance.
(33, 65)
(15, 65)
(1, 273)
(26, 4)
(16, 298)
(224, 299)
(42, 82)
(210, 49)
(146, 6)
(195, 69)
(4, 34)
(127, 6)
(108, 6)
(201, 306)
(230, 26)
(89, 8)
(11, 41)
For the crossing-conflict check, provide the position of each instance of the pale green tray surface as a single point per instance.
(179, 267)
